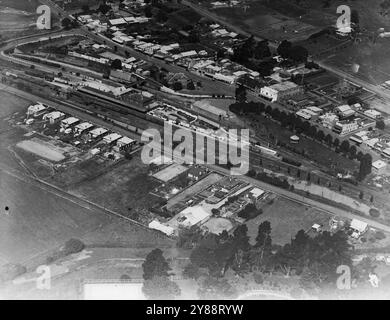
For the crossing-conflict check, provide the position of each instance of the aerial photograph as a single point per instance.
(219, 150)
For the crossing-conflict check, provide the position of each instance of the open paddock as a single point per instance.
(42, 149)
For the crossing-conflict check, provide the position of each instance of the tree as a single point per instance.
(116, 64)
(191, 271)
(148, 11)
(329, 139)
(177, 86)
(160, 287)
(380, 124)
(298, 54)
(263, 244)
(284, 49)
(155, 265)
(85, 8)
(190, 85)
(336, 142)
(104, 8)
(320, 135)
(241, 94)
(66, 23)
(345, 146)
(73, 246)
(365, 166)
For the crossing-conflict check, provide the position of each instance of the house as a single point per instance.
(189, 217)
(111, 138)
(54, 117)
(224, 78)
(97, 133)
(379, 167)
(36, 110)
(82, 128)
(358, 227)
(344, 111)
(156, 225)
(124, 144)
(280, 91)
(69, 122)
(329, 120)
(256, 193)
(345, 127)
(373, 114)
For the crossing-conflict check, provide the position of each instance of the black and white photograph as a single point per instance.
(184, 151)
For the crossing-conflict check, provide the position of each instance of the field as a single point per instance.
(286, 218)
(264, 21)
(124, 189)
(170, 172)
(42, 149)
(38, 221)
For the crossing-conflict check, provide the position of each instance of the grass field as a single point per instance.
(123, 189)
(286, 218)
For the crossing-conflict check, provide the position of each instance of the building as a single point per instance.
(69, 122)
(386, 153)
(373, 114)
(256, 193)
(156, 225)
(83, 128)
(344, 111)
(345, 127)
(358, 227)
(111, 138)
(124, 144)
(280, 91)
(307, 114)
(189, 217)
(379, 167)
(359, 137)
(97, 133)
(329, 120)
(36, 110)
(54, 117)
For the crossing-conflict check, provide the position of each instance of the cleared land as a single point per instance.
(41, 149)
(170, 172)
(286, 218)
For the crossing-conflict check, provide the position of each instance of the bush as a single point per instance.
(379, 235)
(73, 246)
(374, 213)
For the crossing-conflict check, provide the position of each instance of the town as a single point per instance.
(81, 97)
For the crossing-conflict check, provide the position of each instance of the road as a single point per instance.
(305, 201)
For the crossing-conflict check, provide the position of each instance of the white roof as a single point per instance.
(257, 192)
(344, 107)
(125, 140)
(54, 115)
(190, 216)
(379, 164)
(156, 225)
(36, 108)
(359, 225)
(118, 21)
(84, 126)
(112, 137)
(98, 131)
(70, 120)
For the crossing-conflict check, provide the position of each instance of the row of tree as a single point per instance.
(295, 123)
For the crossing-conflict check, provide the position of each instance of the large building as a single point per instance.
(345, 127)
(280, 91)
(344, 111)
